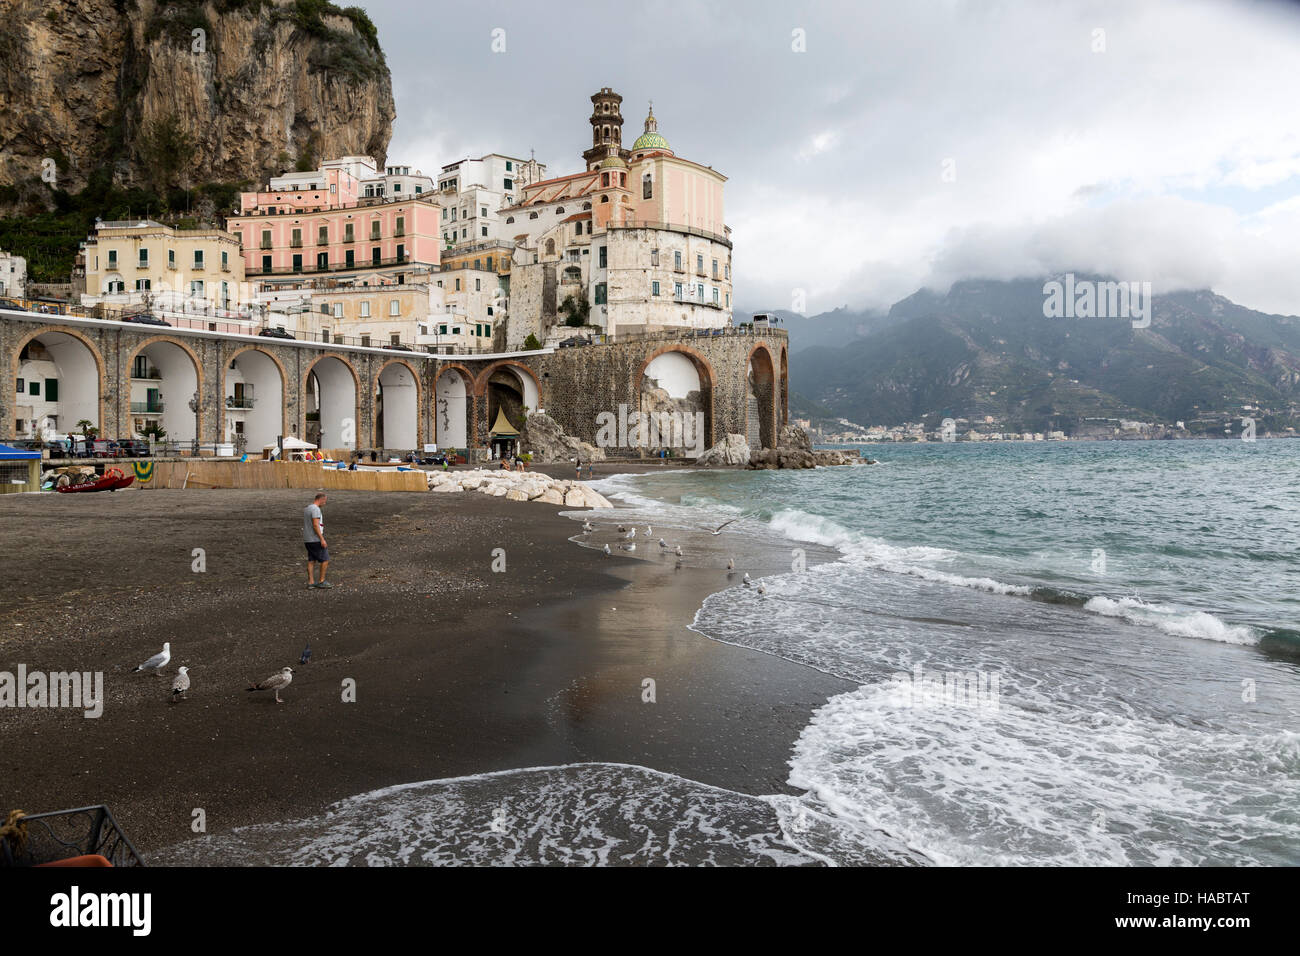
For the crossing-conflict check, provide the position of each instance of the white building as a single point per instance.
(397, 182)
(472, 190)
(13, 276)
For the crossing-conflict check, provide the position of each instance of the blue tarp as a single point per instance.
(16, 454)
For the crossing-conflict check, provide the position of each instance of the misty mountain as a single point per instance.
(987, 349)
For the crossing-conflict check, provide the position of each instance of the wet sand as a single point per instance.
(458, 669)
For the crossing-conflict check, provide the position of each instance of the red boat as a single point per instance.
(111, 480)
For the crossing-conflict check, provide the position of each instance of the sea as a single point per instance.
(1060, 653)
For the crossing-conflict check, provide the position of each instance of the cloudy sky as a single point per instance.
(906, 144)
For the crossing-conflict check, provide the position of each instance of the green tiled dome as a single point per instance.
(650, 141)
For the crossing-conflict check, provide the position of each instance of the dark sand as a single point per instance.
(458, 670)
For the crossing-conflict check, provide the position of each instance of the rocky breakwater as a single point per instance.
(519, 486)
(794, 450)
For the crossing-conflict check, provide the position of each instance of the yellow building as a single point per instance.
(162, 269)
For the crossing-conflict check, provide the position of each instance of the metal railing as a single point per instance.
(147, 408)
(232, 402)
(306, 269)
(63, 834)
(671, 227)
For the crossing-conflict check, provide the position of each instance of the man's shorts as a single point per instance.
(315, 552)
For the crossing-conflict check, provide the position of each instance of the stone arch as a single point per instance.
(454, 412)
(760, 396)
(334, 409)
(84, 405)
(397, 422)
(259, 425)
(708, 380)
(514, 398)
(180, 426)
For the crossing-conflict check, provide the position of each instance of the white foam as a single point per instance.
(1181, 623)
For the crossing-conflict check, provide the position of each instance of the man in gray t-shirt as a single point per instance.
(313, 536)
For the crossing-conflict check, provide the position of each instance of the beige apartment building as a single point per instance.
(146, 264)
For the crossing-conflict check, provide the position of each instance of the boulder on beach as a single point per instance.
(543, 437)
(550, 497)
(732, 450)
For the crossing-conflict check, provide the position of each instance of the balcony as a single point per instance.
(295, 243)
(146, 374)
(678, 267)
(257, 270)
(235, 402)
(146, 408)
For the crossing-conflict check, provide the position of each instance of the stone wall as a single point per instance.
(576, 386)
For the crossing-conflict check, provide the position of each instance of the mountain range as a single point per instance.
(985, 351)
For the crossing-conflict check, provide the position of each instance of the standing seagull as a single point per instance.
(731, 564)
(588, 527)
(745, 579)
(306, 654)
(678, 552)
(663, 544)
(276, 682)
(761, 589)
(607, 551)
(631, 534)
(649, 531)
(156, 663)
(181, 684)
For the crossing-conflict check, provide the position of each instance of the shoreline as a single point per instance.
(459, 670)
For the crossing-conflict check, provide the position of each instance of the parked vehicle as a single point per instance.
(275, 333)
(12, 305)
(575, 341)
(133, 448)
(144, 318)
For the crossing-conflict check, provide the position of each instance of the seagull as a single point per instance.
(606, 550)
(157, 662)
(306, 654)
(630, 535)
(678, 552)
(731, 564)
(663, 544)
(628, 547)
(181, 684)
(748, 583)
(276, 682)
(761, 589)
(649, 531)
(588, 527)
(721, 526)
(621, 528)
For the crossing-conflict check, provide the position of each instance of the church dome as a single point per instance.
(651, 139)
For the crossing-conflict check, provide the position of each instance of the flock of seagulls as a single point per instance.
(628, 533)
(181, 682)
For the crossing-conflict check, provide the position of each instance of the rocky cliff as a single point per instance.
(188, 91)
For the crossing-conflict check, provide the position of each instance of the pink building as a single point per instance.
(314, 224)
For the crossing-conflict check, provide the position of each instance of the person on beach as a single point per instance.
(313, 536)
(577, 474)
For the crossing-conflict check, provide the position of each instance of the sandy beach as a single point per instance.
(458, 669)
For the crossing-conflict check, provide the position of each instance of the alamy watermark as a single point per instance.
(631, 429)
(979, 690)
(1088, 299)
(84, 691)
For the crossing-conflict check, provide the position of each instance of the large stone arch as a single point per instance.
(260, 426)
(84, 401)
(395, 429)
(761, 396)
(340, 416)
(181, 423)
(490, 396)
(454, 412)
(708, 381)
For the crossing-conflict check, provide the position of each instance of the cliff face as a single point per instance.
(128, 86)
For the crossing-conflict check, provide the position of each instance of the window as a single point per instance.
(394, 338)
(142, 285)
(457, 285)
(51, 389)
(604, 179)
(715, 268)
(532, 215)
(509, 183)
(112, 258)
(715, 295)
(266, 238)
(198, 258)
(374, 229)
(297, 263)
(509, 166)
(699, 265)
(34, 388)
(464, 233)
(603, 257)
(225, 261)
(144, 258)
(397, 187)
(337, 312)
(400, 228)
(559, 210)
(699, 291)
(477, 263)
(376, 256)
(677, 290)
(296, 241)
(418, 190)
(323, 235)
(365, 310)
(171, 258)
(677, 261)
(600, 293)
(654, 288)
(325, 333)
(654, 257)
(21, 387)
(489, 263)
(365, 341)
(401, 252)
(442, 330)
(322, 261)
(482, 230)
(727, 270)
(478, 285)
(510, 220)
(394, 307)
(482, 210)
(647, 187)
(347, 232)
(350, 258)
(266, 263)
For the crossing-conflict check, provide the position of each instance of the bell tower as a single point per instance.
(606, 127)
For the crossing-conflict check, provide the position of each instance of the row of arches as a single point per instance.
(166, 380)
